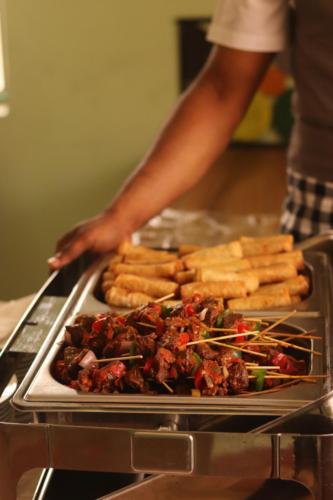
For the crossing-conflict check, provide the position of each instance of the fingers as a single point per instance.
(68, 252)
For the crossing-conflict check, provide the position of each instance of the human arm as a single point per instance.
(197, 132)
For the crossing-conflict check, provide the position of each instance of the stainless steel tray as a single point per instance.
(40, 392)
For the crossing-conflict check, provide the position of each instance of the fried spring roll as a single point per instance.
(186, 249)
(225, 289)
(250, 280)
(295, 299)
(273, 274)
(108, 275)
(151, 286)
(260, 302)
(233, 265)
(144, 255)
(115, 259)
(121, 297)
(295, 286)
(165, 270)
(213, 254)
(183, 277)
(267, 245)
(296, 258)
(106, 285)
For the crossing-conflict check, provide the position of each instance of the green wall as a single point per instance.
(90, 83)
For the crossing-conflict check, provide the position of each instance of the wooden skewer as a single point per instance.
(257, 343)
(230, 346)
(260, 367)
(268, 391)
(301, 377)
(222, 337)
(162, 299)
(167, 387)
(296, 335)
(280, 320)
(277, 317)
(297, 347)
(120, 358)
(149, 325)
(212, 329)
(157, 301)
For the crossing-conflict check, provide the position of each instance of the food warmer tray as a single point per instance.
(184, 440)
(41, 393)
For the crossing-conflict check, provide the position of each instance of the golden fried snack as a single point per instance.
(273, 274)
(108, 275)
(217, 254)
(296, 258)
(295, 299)
(250, 280)
(295, 286)
(164, 270)
(183, 277)
(143, 255)
(266, 245)
(225, 289)
(186, 249)
(232, 265)
(120, 297)
(151, 286)
(260, 302)
(106, 285)
(114, 259)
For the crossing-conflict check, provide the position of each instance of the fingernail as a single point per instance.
(53, 261)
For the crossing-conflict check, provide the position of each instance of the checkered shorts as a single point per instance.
(308, 208)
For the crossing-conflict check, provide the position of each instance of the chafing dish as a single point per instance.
(40, 392)
(171, 434)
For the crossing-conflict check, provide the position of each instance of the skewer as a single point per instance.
(157, 301)
(120, 358)
(149, 325)
(257, 343)
(230, 346)
(167, 387)
(280, 320)
(268, 391)
(305, 335)
(222, 337)
(213, 329)
(297, 347)
(301, 377)
(260, 367)
(162, 299)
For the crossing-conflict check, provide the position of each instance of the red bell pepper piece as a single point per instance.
(148, 364)
(98, 325)
(198, 377)
(183, 338)
(189, 310)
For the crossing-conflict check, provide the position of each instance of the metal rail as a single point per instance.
(303, 458)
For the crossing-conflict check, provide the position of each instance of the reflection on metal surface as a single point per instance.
(160, 451)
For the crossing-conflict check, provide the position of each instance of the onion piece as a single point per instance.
(203, 313)
(87, 359)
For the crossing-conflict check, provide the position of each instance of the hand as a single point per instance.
(99, 234)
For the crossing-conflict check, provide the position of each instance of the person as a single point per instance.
(247, 34)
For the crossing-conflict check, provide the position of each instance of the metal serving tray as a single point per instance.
(40, 392)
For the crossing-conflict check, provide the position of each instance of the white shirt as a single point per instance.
(254, 25)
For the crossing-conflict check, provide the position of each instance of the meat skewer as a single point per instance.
(175, 347)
